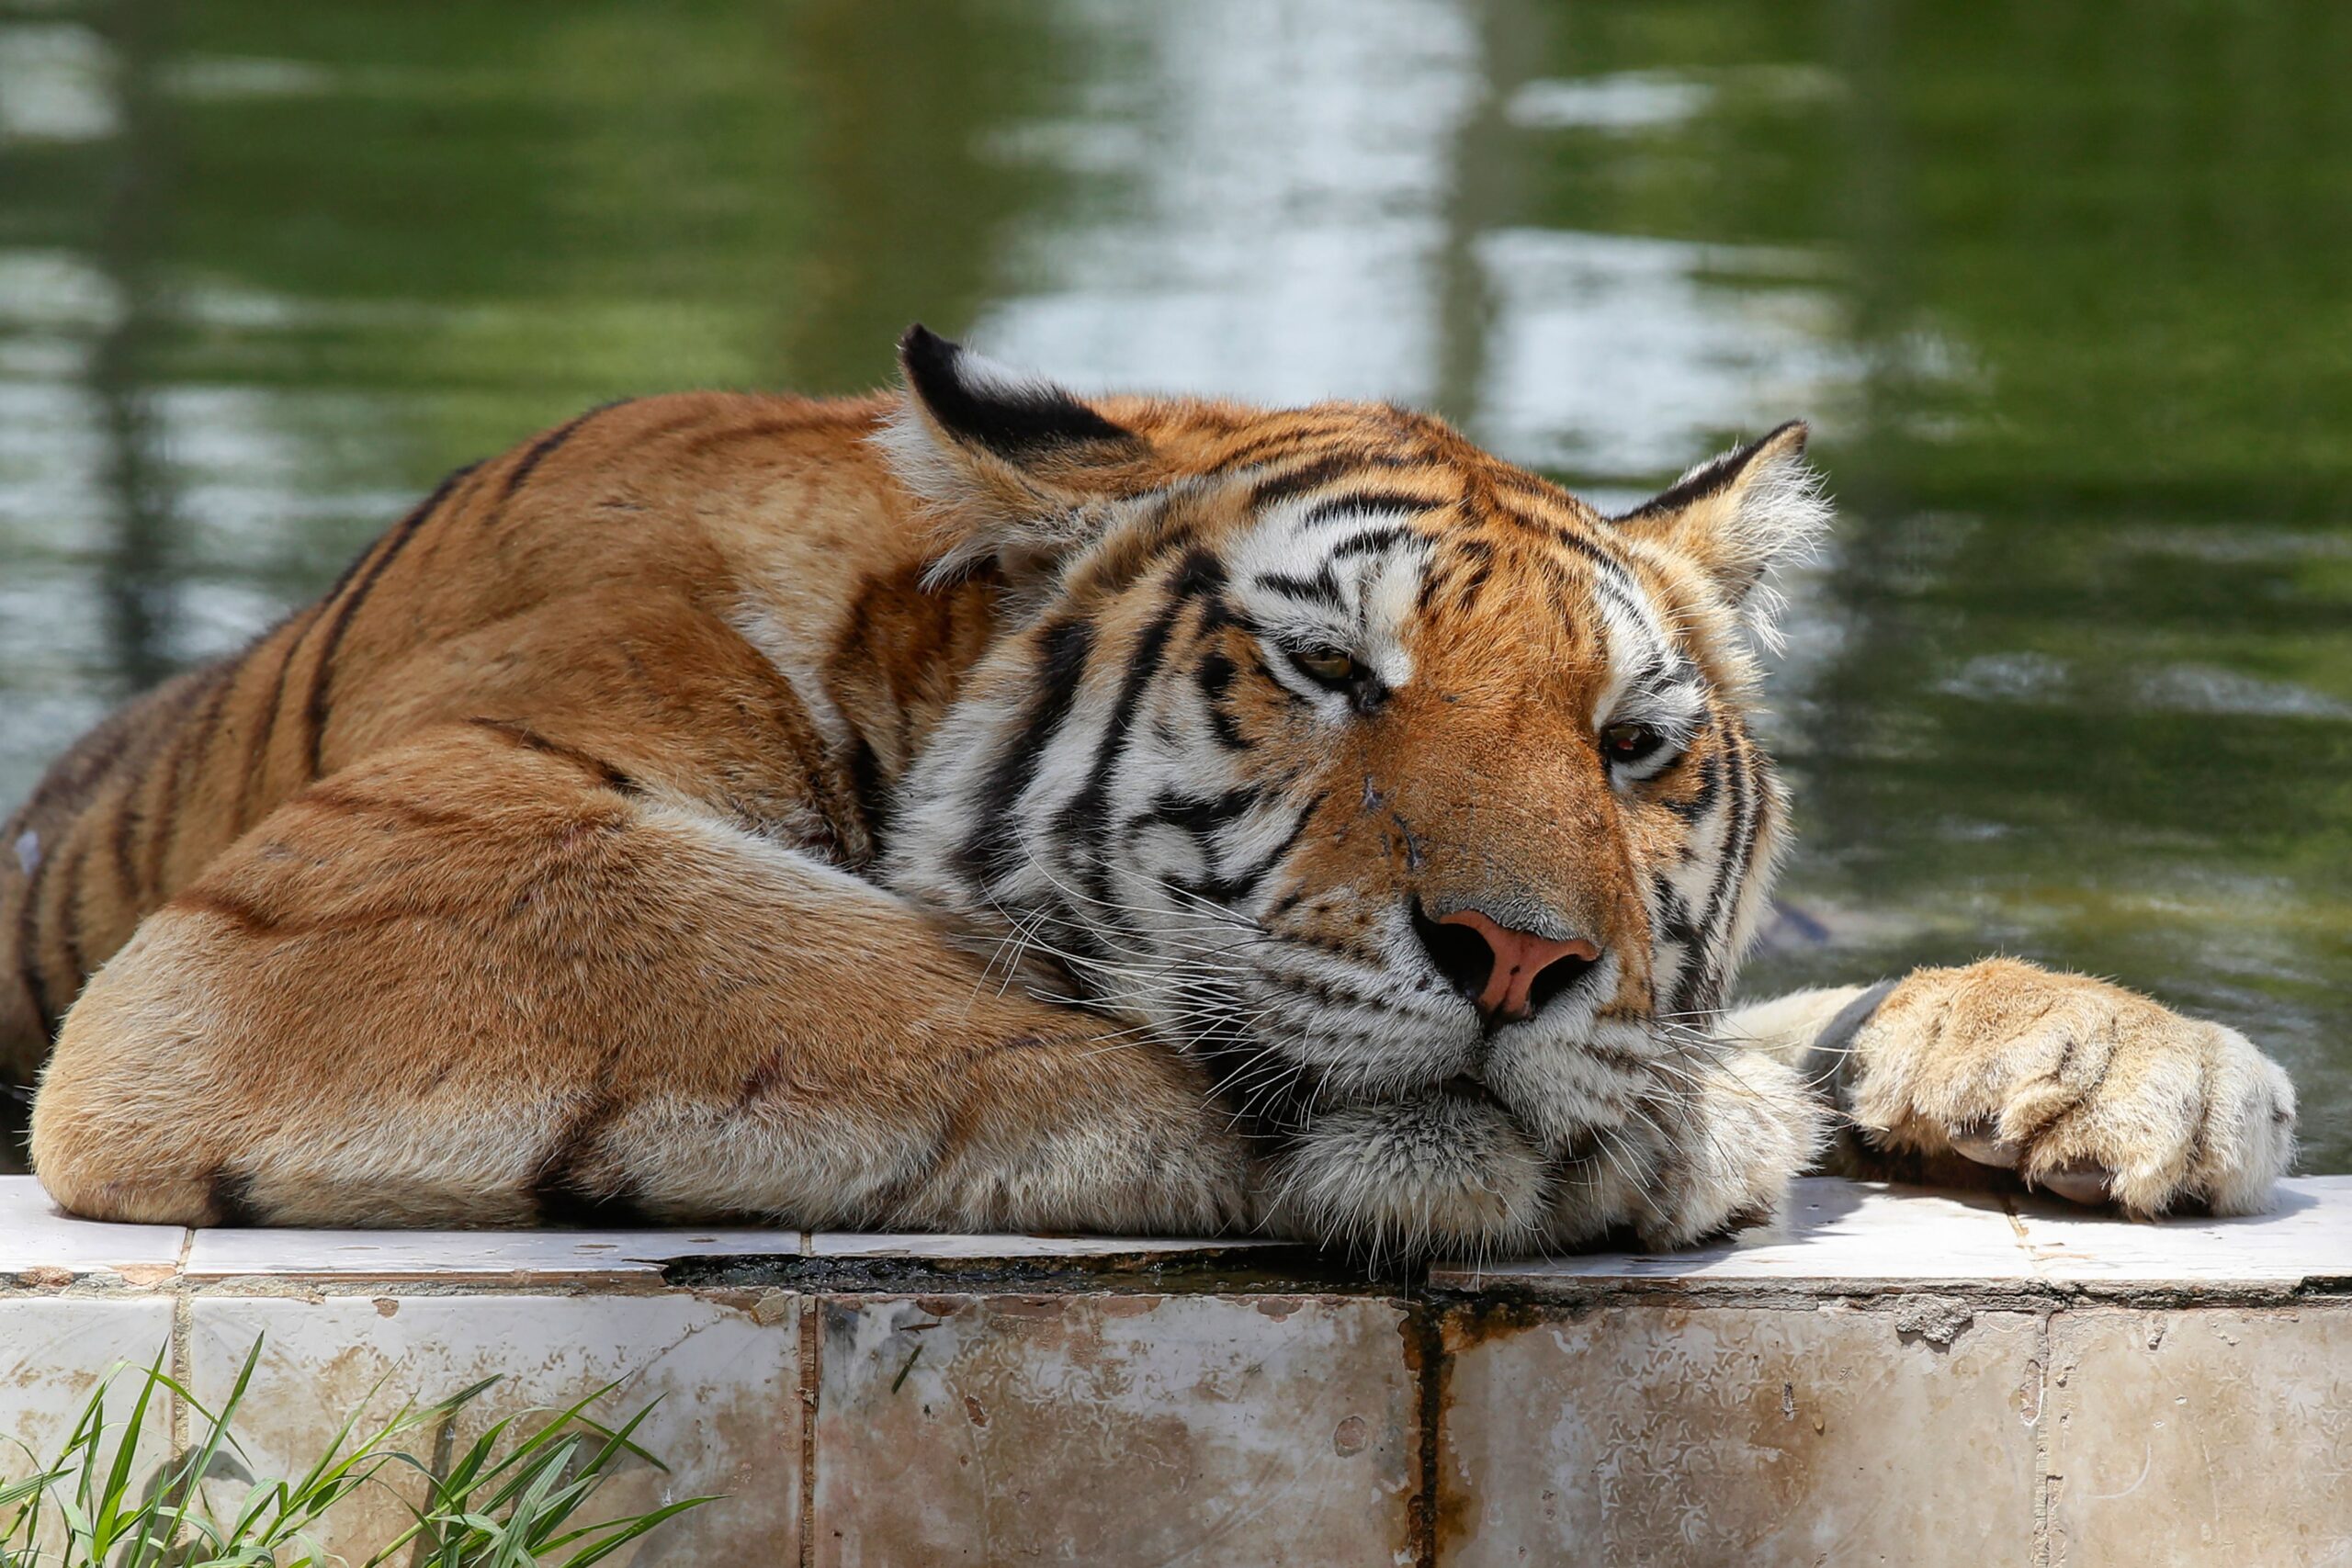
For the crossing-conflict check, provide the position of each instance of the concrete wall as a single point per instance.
(1891, 1376)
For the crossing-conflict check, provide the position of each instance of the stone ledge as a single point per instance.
(1887, 1375)
(1838, 1238)
(1845, 1238)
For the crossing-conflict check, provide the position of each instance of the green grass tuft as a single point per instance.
(516, 1497)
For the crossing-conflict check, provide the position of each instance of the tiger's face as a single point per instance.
(1410, 795)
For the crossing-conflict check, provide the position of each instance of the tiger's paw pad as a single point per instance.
(2086, 1090)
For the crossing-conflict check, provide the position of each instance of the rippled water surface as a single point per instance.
(2067, 302)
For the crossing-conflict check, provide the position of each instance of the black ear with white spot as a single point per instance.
(1010, 467)
(1740, 516)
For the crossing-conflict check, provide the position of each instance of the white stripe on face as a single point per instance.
(1651, 682)
(1303, 587)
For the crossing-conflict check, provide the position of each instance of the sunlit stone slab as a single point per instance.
(2214, 1435)
(916, 1245)
(2306, 1237)
(1113, 1429)
(402, 1255)
(1857, 1235)
(727, 1377)
(40, 1245)
(1758, 1436)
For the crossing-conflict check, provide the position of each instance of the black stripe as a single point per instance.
(1217, 613)
(1266, 674)
(1673, 921)
(1323, 446)
(1433, 582)
(1064, 648)
(1322, 471)
(1215, 677)
(1321, 589)
(1758, 803)
(1231, 887)
(873, 792)
(1202, 575)
(1699, 804)
(1525, 524)
(322, 673)
(1366, 504)
(1085, 820)
(523, 735)
(1201, 816)
(1371, 539)
(547, 444)
(1737, 841)
(1675, 928)
(1614, 578)
(1299, 481)
(1585, 546)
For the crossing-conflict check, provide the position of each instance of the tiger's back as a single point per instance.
(744, 522)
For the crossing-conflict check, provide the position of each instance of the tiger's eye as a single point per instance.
(1328, 667)
(1628, 742)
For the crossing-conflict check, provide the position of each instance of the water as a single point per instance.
(2064, 298)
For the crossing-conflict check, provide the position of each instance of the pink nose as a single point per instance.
(1519, 958)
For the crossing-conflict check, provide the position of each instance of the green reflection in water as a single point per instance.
(2063, 297)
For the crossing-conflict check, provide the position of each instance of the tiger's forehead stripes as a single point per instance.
(1482, 524)
(1357, 551)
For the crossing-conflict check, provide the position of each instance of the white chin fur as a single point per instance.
(1446, 1173)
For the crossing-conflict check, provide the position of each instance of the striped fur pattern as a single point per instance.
(1159, 803)
(980, 808)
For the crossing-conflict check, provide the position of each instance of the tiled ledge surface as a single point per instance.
(1889, 1376)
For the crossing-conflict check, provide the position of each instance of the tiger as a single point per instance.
(978, 806)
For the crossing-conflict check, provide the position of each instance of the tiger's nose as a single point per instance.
(1509, 975)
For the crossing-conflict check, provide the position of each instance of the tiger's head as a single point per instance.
(1412, 795)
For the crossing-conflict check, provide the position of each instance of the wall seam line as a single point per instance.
(1424, 1321)
(2044, 1484)
(811, 1370)
(183, 1325)
(2045, 1342)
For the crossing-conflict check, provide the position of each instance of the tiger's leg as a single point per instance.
(484, 979)
(2086, 1088)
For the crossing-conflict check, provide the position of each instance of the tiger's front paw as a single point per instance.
(2092, 1091)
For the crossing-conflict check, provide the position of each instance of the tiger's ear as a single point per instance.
(1011, 469)
(1740, 515)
